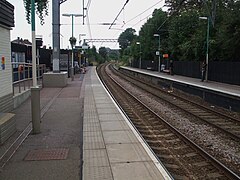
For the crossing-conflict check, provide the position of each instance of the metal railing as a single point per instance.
(22, 76)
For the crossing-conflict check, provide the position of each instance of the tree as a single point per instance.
(148, 41)
(103, 52)
(183, 34)
(187, 37)
(179, 6)
(41, 8)
(113, 55)
(126, 38)
(227, 36)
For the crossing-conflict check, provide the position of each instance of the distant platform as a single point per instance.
(221, 94)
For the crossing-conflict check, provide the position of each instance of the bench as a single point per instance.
(166, 71)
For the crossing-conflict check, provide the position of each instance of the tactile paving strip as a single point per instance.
(47, 154)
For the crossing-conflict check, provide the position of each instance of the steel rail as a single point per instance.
(187, 101)
(230, 174)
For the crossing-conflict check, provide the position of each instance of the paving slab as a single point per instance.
(111, 149)
(61, 128)
(119, 137)
(136, 171)
(109, 117)
(133, 152)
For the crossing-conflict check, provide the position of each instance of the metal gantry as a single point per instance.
(101, 40)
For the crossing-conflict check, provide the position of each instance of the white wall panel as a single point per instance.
(5, 51)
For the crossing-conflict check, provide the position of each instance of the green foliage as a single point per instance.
(72, 41)
(183, 34)
(103, 55)
(113, 55)
(150, 42)
(103, 52)
(93, 56)
(227, 36)
(178, 6)
(126, 38)
(41, 9)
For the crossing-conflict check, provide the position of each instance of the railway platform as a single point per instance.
(225, 95)
(84, 135)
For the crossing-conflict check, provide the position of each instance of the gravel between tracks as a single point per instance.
(220, 146)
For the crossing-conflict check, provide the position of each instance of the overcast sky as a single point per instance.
(100, 11)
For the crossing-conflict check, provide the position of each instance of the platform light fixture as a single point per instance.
(140, 60)
(208, 27)
(159, 57)
(72, 15)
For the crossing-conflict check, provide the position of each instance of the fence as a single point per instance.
(22, 75)
(225, 72)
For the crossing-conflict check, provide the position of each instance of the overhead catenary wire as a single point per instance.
(141, 20)
(118, 14)
(88, 4)
(88, 20)
(142, 12)
(86, 8)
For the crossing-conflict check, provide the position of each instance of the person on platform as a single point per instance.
(204, 67)
(171, 67)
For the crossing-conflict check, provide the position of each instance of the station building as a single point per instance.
(6, 24)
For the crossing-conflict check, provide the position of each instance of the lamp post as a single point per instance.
(208, 27)
(35, 90)
(140, 60)
(159, 57)
(72, 15)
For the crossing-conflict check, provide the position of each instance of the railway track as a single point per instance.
(227, 124)
(183, 158)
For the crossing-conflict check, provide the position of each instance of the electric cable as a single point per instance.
(141, 20)
(142, 12)
(118, 14)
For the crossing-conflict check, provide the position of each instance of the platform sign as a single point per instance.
(2, 63)
(82, 47)
(85, 47)
(165, 55)
(78, 47)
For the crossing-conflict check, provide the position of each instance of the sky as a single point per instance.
(134, 15)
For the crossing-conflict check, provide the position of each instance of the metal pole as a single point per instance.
(159, 57)
(83, 12)
(38, 70)
(68, 64)
(72, 52)
(35, 90)
(35, 104)
(140, 62)
(207, 63)
(34, 71)
(72, 25)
